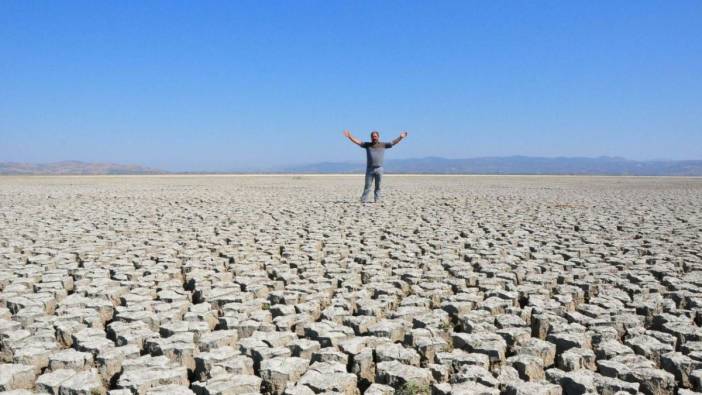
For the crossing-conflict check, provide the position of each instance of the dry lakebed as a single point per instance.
(287, 284)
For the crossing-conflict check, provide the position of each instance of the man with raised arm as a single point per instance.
(375, 151)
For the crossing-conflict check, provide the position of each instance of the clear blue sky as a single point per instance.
(221, 85)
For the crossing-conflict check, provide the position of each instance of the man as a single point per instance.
(375, 151)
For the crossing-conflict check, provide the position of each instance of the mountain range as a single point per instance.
(73, 167)
(604, 165)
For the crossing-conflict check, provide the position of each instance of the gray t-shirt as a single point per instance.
(375, 153)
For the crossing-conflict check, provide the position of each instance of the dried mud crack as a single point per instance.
(288, 285)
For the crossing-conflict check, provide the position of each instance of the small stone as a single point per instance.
(396, 352)
(396, 374)
(70, 359)
(472, 388)
(379, 389)
(492, 345)
(330, 354)
(457, 358)
(565, 341)
(168, 389)
(51, 382)
(226, 383)
(16, 376)
(475, 374)
(337, 380)
(530, 367)
(277, 372)
(393, 330)
(532, 388)
(540, 348)
(653, 381)
(680, 366)
(577, 358)
(87, 382)
(579, 382)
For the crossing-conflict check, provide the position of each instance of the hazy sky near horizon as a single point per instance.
(226, 85)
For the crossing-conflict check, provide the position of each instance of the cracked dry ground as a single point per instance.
(287, 285)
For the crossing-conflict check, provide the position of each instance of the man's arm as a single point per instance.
(397, 140)
(353, 139)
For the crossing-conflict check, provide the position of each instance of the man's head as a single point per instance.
(375, 136)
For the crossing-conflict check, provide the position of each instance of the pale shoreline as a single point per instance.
(171, 175)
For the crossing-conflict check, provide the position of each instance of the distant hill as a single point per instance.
(73, 167)
(604, 165)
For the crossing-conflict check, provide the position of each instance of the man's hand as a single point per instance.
(354, 140)
(402, 136)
